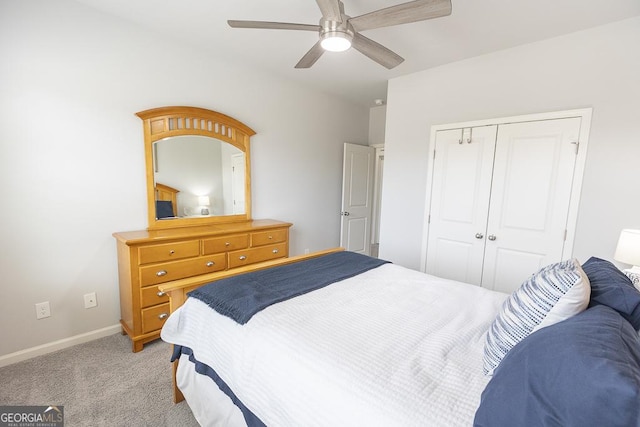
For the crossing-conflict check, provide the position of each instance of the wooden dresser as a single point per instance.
(150, 257)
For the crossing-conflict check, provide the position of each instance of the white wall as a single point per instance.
(377, 119)
(72, 165)
(598, 68)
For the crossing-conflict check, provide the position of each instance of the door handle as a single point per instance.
(479, 235)
(491, 237)
(344, 213)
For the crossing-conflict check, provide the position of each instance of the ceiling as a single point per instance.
(474, 28)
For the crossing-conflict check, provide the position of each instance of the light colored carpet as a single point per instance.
(100, 383)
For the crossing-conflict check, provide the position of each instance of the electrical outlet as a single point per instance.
(90, 300)
(43, 310)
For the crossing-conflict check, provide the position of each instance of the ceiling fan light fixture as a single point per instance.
(336, 41)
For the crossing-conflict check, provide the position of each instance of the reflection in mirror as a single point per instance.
(197, 176)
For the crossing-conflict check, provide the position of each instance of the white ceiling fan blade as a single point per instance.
(404, 13)
(272, 25)
(311, 57)
(332, 10)
(376, 51)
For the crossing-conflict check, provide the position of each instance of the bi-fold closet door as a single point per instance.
(500, 200)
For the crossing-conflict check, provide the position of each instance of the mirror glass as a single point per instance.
(205, 177)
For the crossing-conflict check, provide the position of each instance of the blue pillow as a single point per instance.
(164, 209)
(611, 287)
(584, 371)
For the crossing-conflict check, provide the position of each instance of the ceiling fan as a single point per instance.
(338, 32)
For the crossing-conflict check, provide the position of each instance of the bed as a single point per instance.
(386, 345)
(166, 201)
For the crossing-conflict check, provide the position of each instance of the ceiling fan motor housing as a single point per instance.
(336, 36)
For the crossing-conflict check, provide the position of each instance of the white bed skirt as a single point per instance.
(211, 407)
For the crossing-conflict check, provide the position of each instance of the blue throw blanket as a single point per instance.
(240, 297)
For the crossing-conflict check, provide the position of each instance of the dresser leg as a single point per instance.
(136, 346)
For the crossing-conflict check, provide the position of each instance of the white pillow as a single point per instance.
(553, 294)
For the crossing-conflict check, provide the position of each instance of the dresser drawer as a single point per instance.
(268, 237)
(253, 255)
(224, 244)
(168, 251)
(164, 272)
(149, 296)
(153, 318)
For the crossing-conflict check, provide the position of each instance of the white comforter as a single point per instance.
(391, 346)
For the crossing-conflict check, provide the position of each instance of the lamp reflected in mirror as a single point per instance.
(204, 203)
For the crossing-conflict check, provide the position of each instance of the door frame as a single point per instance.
(378, 171)
(585, 125)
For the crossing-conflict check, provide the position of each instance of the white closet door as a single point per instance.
(459, 203)
(531, 191)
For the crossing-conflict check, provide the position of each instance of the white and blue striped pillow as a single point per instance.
(551, 295)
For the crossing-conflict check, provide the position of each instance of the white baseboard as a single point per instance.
(39, 350)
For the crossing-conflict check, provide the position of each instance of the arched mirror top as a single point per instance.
(201, 191)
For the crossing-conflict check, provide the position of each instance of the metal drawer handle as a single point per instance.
(210, 264)
(491, 237)
(227, 243)
(161, 294)
(270, 237)
(161, 273)
(162, 316)
(479, 235)
(171, 252)
(275, 251)
(242, 257)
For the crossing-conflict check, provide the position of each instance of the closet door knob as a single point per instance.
(479, 235)
(491, 237)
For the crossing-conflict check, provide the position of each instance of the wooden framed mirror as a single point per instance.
(198, 167)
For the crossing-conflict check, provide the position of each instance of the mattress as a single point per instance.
(390, 346)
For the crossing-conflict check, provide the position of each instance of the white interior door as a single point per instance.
(530, 196)
(238, 187)
(461, 188)
(357, 198)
